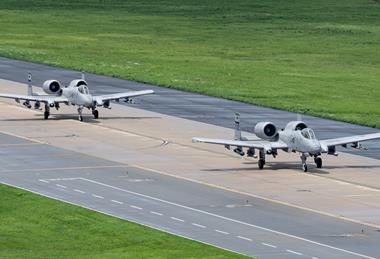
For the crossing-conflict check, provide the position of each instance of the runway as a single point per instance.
(236, 222)
(191, 106)
(141, 166)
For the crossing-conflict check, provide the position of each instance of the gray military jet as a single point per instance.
(296, 137)
(76, 93)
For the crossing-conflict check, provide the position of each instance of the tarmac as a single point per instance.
(141, 166)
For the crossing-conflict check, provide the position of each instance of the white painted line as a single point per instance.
(177, 219)
(42, 180)
(198, 225)
(222, 232)
(156, 213)
(244, 238)
(270, 245)
(231, 220)
(97, 196)
(76, 190)
(135, 207)
(314, 257)
(293, 252)
(62, 186)
(118, 202)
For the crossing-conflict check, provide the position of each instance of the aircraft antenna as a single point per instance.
(83, 77)
(299, 117)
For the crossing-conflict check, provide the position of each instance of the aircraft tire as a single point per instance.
(96, 114)
(304, 167)
(46, 115)
(80, 118)
(318, 162)
(261, 163)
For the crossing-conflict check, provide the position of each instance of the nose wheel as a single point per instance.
(304, 165)
(80, 117)
(95, 113)
(261, 163)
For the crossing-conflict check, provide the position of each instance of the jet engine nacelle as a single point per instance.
(296, 125)
(51, 87)
(266, 130)
(77, 83)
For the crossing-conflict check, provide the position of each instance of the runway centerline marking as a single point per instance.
(42, 180)
(244, 238)
(177, 219)
(118, 202)
(230, 219)
(198, 225)
(222, 232)
(156, 213)
(80, 191)
(60, 185)
(135, 207)
(270, 245)
(97, 196)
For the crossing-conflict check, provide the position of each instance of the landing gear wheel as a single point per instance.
(318, 162)
(95, 113)
(304, 167)
(80, 117)
(46, 115)
(261, 163)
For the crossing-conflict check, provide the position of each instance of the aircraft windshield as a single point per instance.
(83, 89)
(308, 133)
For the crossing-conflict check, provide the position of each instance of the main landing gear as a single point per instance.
(95, 113)
(318, 161)
(261, 162)
(80, 109)
(47, 112)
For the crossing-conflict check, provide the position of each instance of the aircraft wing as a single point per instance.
(109, 97)
(239, 143)
(35, 98)
(348, 140)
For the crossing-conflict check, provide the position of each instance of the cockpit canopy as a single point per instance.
(83, 89)
(308, 133)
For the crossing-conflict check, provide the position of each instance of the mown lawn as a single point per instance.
(318, 57)
(37, 227)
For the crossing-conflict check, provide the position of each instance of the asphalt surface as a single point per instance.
(233, 221)
(188, 105)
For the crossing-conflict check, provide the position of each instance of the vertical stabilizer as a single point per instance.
(83, 77)
(237, 127)
(30, 87)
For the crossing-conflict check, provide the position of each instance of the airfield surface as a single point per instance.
(141, 166)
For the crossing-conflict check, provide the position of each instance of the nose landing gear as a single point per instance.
(304, 165)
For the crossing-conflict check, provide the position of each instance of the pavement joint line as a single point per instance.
(135, 207)
(97, 196)
(60, 185)
(177, 219)
(80, 191)
(198, 225)
(293, 252)
(60, 169)
(156, 213)
(22, 137)
(231, 220)
(244, 238)
(20, 145)
(258, 196)
(118, 202)
(222, 232)
(269, 245)
(119, 217)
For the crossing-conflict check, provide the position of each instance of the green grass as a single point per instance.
(37, 227)
(318, 57)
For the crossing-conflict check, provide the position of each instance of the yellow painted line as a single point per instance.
(259, 197)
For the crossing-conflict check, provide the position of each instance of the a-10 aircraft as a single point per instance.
(76, 93)
(296, 137)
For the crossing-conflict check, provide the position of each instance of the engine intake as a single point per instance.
(51, 87)
(296, 125)
(77, 83)
(266, 130)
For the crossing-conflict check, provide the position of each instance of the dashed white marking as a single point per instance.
(135, 207)
(97, 196)
(76, 190)
(244, 238)
(198, 225)
(293, 252)
(62, 186)
(314, 257)
(156, 213)
(222, 232)
(118, 202)
(177, 219)
(270, 245)
(42, 180)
